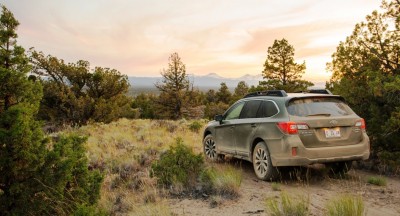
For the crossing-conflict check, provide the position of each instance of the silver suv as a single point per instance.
(274, 129)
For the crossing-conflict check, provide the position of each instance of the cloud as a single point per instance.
(300, 36)
(229, 37)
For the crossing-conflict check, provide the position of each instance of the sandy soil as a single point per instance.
(378, 200)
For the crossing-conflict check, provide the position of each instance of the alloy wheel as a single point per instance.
(209, 149)
(261, 162)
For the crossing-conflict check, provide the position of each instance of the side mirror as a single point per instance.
(218, 118)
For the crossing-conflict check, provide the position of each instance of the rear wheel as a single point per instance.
(262, 163)
(339, 168)
(210, 149)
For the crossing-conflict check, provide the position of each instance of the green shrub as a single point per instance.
(380, 181)
(289, 206)
(179, 165)
(195, 126)
(67, 179)
(390, 162)
(83, 210)
(346, 205)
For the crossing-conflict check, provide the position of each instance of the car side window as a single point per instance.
(250, 109)
(267, 109)
(234, 112)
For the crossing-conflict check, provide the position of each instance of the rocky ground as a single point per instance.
(312, 183)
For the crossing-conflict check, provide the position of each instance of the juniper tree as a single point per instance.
(37, 177)
(366, 71)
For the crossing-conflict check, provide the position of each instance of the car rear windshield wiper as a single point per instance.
(320, 114)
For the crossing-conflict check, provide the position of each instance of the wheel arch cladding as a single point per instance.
(253, 145)
(206, 133)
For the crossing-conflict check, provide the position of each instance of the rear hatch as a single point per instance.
(325, 121)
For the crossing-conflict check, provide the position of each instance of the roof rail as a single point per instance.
(276, 93)
(320, 91)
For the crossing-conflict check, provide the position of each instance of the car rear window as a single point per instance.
(318, 106)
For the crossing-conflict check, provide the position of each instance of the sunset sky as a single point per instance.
(227, 37)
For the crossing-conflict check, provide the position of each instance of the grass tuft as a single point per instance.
(224, 181)
(346, 205)
(380, 181)
(289, 205)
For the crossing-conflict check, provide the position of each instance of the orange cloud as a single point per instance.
(300, 36)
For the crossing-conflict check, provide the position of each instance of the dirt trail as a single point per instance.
(378, 200)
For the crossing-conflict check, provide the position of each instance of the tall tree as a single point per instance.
(36, 174)
(174, 88)
(14, 65)
(22, 143)
(280, 69)
(366, 70)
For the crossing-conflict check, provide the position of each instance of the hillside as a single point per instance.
(124, 151)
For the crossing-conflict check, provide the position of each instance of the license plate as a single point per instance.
(332, 132)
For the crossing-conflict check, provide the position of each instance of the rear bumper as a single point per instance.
(307, 156)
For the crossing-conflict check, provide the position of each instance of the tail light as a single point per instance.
(288, 127)
(361, 124)
(292, 127)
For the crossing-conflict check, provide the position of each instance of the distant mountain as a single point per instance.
(209, 81)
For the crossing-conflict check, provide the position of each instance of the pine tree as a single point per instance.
(174, 88)
(280, 69)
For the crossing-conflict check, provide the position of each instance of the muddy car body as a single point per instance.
(275, 129)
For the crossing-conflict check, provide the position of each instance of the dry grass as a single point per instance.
(124, 150)
(225, 180)
(346, 205)
(288, 205)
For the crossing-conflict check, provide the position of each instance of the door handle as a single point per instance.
(253, 125)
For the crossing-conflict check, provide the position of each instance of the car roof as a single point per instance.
(291, 96)
(282, 93)
(306, 94)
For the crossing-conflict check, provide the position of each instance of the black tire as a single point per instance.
(210, 149)
(262, 164)
(339, 168)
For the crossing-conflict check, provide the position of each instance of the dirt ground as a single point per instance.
(378, 200)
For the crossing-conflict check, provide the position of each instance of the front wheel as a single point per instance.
(262, 164)
(210, 149)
